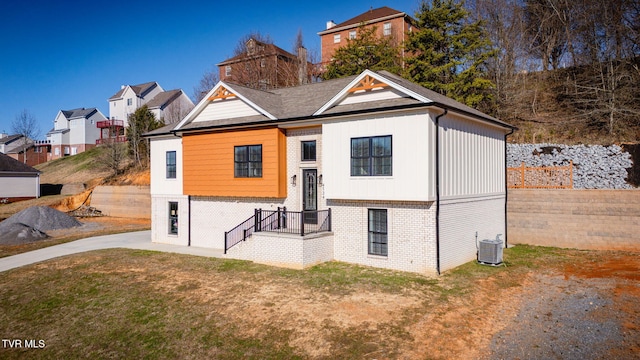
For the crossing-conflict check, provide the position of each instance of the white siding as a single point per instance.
(411, 158)
(160, 185)
(471, 158)
(460, 220)
(217, 110)
(19, 186)
(60, 122)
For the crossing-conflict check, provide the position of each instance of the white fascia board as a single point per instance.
(205, 101)
(345, 92)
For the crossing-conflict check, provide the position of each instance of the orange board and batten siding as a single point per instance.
(208, 161)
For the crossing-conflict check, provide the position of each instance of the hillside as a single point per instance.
(80, 174)
(89, 169)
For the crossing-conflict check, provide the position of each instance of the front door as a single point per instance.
(310, 195)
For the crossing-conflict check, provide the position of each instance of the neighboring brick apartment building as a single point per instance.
(266, 66)
(389, 22)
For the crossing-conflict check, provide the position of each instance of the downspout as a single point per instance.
(438, 190)
(188, 220)
(506, 189)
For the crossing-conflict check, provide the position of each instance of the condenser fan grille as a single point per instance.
(490, 252)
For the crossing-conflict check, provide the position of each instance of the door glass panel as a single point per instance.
(310, 195)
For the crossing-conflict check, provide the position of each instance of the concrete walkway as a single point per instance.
(132, 240)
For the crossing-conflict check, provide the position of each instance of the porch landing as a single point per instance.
(285, 250)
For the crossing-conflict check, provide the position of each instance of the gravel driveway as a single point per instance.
(585, 314)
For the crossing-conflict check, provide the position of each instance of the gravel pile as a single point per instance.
(30, 224)
(595, 166)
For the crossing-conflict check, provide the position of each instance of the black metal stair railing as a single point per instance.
(280, 221)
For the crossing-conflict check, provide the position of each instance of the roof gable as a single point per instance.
(368, 82)
(223, 102)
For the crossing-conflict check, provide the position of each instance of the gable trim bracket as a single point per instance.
(368, 80)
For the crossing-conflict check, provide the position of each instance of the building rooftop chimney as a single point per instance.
(330, 24)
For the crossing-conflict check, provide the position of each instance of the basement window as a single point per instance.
(378, 232)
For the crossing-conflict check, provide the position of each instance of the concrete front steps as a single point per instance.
(582, 219)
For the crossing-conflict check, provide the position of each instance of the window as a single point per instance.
(129, 101)
(173, 218)
(336, 38)
(371, 156)
(386, 29)
(309, 150)
(378, 232)
(352, 34)
(227, 70)
(248, 161)
(171, 164)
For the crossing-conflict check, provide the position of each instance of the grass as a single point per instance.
(141, 304)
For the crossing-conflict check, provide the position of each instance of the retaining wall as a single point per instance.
(582, 219)
(123, 201)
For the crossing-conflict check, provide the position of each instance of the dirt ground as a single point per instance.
(585, 308)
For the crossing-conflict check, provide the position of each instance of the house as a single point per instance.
(32, 153)
(16, 147)
(266, 66)
(18, 181)
(74, 131)
(167, 106)
(388, 22)
(369, 169)
(10, 142)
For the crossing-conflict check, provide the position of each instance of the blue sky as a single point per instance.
(61, 55)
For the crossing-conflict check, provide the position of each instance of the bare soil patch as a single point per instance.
(546, 303)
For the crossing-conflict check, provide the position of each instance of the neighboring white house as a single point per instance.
(74, 131)
(10, 142)
(164, 104)
(18, 181)
(369, 169)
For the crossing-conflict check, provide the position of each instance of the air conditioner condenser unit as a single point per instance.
(490, 252)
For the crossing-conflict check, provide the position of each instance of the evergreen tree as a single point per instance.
(366, 51)
(140, 122)
(448, 53)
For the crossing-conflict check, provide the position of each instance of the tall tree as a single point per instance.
(140, 122)
(448, 53)
(207, 82)
(365, 51)
(25, 124)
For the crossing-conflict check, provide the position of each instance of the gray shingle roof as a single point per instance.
(369, 16)
(302, 102)
(9, 164)
(10, 138)
(140, 90)
(79, 113)
(163, 99)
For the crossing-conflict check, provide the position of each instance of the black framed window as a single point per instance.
(378, 232)
(248, 161)
(371, 156)
(171, 164)
(173, 218)
(309, 150)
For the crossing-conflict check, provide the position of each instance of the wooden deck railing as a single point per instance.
(547, 177)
